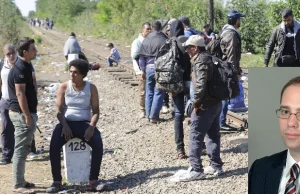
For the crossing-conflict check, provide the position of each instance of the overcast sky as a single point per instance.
(25, 6)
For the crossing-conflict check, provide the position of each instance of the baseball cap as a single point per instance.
(194, 40)
(234, 14)
(184, 19)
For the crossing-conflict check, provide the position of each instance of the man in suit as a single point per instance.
(279, 173)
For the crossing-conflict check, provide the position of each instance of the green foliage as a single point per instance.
(123, 18)
(10, 22)
(120, 20)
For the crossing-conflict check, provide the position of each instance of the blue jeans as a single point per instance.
(110, 61)
(178, 103)
(78, 130)
(205, 123)
(223, 112)
(191, 92)
(154, 98)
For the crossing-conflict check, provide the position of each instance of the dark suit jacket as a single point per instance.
(265, 174)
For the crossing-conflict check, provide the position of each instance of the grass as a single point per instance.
(27, 32)
(251, 60)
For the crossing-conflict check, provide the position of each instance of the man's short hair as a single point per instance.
(24, 44)
(146, 23)
(9, 47)
(72, 34)
(206, 26)
(294, 81)
(286, 12)
(110, 45)
(157, 26)
(81, 65)
(232, 21)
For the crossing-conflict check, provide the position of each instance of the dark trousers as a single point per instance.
(78, 129)
(7, 134)
(223, 115)
(178, 103)
(166, 100)
(205, 123)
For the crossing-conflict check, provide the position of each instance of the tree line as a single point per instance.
(10, 23)
(121, 19)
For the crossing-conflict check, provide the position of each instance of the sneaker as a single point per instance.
(189, 175)
(31, 156)
(54, 188)
(4, 162)
(226, 127)
(214, 171)
(164, 110)
(154, 121)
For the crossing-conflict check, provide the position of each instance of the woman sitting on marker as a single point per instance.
(78, 113)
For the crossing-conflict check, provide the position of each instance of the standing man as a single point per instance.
(176, 31)
(135, 49)
(205, 116)
(231, 46)
(286, 38)
(22, 110)
(7, 135)
(279, 173)
(149, 49)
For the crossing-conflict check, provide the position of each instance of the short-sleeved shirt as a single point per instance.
(21, 73)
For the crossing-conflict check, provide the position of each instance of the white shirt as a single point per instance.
(286, 174)
(135, 49)
(4, 77)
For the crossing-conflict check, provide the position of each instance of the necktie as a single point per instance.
(290, 187)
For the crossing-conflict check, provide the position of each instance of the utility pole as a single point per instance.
(211, 14)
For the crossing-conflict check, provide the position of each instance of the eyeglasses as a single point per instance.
(285, 114)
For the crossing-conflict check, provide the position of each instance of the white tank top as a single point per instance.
(78, 103)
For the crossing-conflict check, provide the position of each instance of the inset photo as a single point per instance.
(274, 130)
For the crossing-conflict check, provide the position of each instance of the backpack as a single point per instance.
(168, 71)
(224, 84)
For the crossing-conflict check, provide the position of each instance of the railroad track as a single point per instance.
(124, 73)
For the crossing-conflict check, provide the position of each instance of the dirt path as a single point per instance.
(144, 154)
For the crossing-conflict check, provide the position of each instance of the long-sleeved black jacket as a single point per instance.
(277, 42)
(202, 74)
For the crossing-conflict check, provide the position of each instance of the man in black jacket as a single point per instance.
(205, 116)
(286, 38)
(279, 172)
(176, 29)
